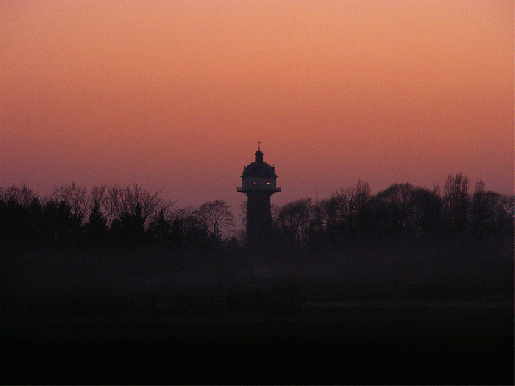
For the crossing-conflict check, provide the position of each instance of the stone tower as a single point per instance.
(258, 184)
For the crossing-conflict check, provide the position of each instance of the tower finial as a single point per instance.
(259, 153)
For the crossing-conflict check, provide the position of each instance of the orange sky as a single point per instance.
(174, 95)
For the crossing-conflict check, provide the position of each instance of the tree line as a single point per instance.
(129, 215)
(402, 210)
(132, 215)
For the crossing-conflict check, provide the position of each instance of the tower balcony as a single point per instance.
(258, 189)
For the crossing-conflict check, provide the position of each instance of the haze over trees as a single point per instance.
(402, 233)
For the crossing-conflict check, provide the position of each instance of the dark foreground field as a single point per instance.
(401, 342)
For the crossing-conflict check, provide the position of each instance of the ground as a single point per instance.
(338, 343)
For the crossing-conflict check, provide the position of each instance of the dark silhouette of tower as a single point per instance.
(258, 183)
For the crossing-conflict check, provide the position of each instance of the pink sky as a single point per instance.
(174, 95)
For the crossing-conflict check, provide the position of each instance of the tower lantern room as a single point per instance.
(258, 184)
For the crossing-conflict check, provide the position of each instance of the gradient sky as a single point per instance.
(174, 95)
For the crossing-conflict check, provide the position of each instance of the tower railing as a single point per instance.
(257, 189)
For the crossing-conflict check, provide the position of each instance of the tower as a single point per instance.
(258, 184)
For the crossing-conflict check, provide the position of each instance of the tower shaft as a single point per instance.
(259, 215)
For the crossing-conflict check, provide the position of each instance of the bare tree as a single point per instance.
(74, 196)
(405, 207)
(21, 194)
(490, 211)
(347, 209)
(133, 200)
(216, 218)
(456, 200)
(507, 206)
(97, 197)
(295, 219)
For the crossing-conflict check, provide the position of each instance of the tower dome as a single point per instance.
(259, 168)
(258, 184)
(259, 175)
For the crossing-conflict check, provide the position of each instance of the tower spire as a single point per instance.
(259, 153)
